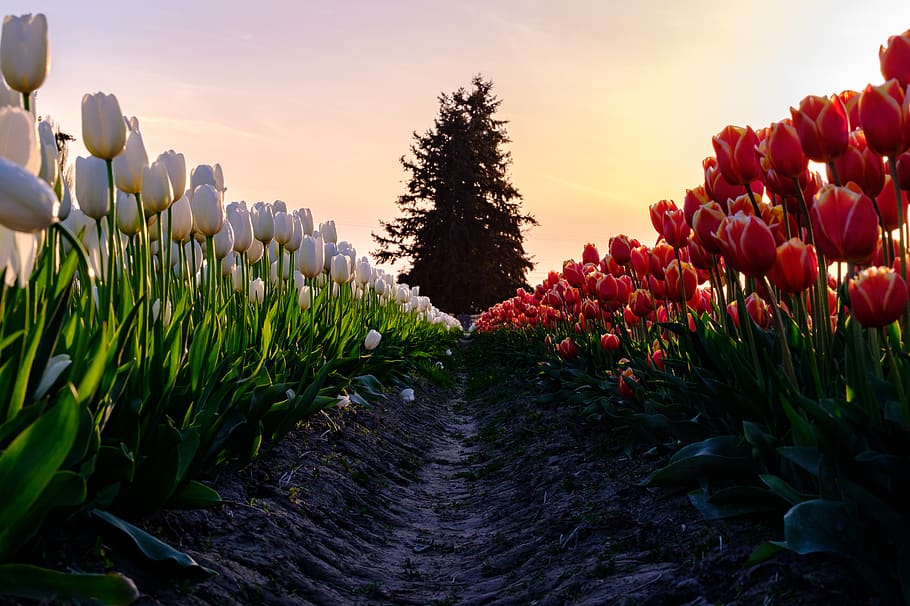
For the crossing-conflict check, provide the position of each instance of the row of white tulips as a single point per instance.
(119, 192)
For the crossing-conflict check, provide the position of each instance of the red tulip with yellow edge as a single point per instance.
(821, 124)
(795, 267)
(676, 230)
(747, 244)
(783, 149)
(609, 341)
(845, 224)
(695, 198)
(657, 212)
(885, 117)
(736, 156)
(567, 349)
(641, 303)
(860, 165)
(850, 99)
(705, 222)
(621, 249)
(895, 58)
(682, 280)
(878, 296)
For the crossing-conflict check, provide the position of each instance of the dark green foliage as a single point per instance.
(461, 219)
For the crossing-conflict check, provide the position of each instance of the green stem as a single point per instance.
(902, 243)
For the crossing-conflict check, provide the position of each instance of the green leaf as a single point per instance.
(33, 582)
(66, 489)
(763, 553)
(734, 502)
(29, 463)
(195, 495)
(783, 489)
(822, 525)
(150, 547)
(722, 458)
(807, 457)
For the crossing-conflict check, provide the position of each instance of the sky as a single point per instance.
(610, 105)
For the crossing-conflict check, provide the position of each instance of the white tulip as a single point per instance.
(181, 220)
(130, 164)
(371, 341)
(341, 269)
(328, 231)
(127, 214)
(224, 241)
(103, 129)
(176, 170)
(92, 189)
(19, 139)
(239, 218)
(257, 291)
(9, 97)
(208, 211)
(283, 227)
(309, 258)
(306, 220)
(157, 194)
(24, 55)
(293, 244)
(263, 222)
(255, 252)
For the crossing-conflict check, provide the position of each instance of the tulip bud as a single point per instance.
(885, 117)
(681, 282)
(176, 170)
(736, 157)
(224, 240)
(228, 262)
(207, 209)
(19, 139)
(784, 152)
(328, 231)
(92, 189)
(130, 164)
(895, 59)
(309, 259)
(103, 128)
(24, 55)
(127, 214)
(157, 195)
(878, 296)
(181, 219)
(257, 291)
(263, 222)
(341, 269)
(845, 224)
(795, 267)
(203, 174)
(859, 164)
(675, 229)
(306, 220)
(283, 227)
(372, 339)
(657, 212)
(567, 349)
(237, 278)
(255, 252)
(305, 297)
(747, 244)
(821, 125)
(621, 249)
(156, 312)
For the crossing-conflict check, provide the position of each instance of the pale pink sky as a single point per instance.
(610, 106)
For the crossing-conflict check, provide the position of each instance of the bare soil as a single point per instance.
(471, 494)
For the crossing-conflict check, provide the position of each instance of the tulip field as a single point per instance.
(765, 336)
(153, 332)
(149, 333)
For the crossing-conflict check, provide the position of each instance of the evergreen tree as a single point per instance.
(461, 223)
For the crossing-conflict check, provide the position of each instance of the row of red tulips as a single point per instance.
(768, 327)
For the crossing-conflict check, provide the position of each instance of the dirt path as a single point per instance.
(471, 494)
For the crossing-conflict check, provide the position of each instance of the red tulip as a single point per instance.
(757, 309)
(661, 255)
(609, 341)
(675, 229)
(681, 282)
(736, 157)
(626, 377)
(860, 165)
(567, 349)
(699, 256)
(572, 272)
(895, 59)
(658, 210)
(621, 249)
(747, 244)
(845, 224)
(695, 198)
(590, 254)
(641, 261)
(903, 170)
(742, 204)
(705, 222)
(887, 204)
(821, 125)
(885, 117)
(641, 303)
(878, 296)
(608, 265)
(656, 359)
(795, 267)
(850, 99)
(783, 149)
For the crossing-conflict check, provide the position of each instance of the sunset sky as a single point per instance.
(611, 105)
